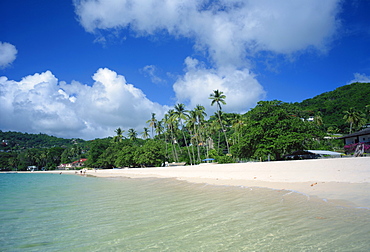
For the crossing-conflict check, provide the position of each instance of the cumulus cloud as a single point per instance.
(39, 103)
(227, 29)
(362, 78)
(240, 86)
(8, 53)
(229, 32)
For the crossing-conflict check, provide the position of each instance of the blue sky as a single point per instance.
(85, 68)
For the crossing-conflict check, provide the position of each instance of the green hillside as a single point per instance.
(20, 141)
(333, 104)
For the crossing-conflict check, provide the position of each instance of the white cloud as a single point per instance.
(362, 78)
(241, 88)
(229, 32)
(227, 29)
(8, 53)
(38, 103)
(151, 71)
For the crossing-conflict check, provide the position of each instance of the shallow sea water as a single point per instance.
(52, 212)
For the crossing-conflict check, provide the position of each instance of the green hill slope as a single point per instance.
(333, 104)
(21, 141)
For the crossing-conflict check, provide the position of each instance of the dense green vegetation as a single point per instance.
(332, 106)
(18, 141)
(273, 129)
(20, 150)
(266, 132)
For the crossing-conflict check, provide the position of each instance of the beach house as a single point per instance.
(76, 164)
(357, 143)
(362, 136)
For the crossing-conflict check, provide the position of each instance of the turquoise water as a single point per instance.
(52, 212)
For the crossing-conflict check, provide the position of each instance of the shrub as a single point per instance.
(350, 148)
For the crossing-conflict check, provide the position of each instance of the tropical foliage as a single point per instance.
(273, 129)
(20, 150)
(14, 141)
(334, 104)
(267, 132)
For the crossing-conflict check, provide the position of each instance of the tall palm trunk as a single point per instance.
(186, 142)
(192, 146)
(197, 137)
(218, 98)
(223, 130)
(173, 144)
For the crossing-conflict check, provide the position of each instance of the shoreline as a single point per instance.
(344, 180)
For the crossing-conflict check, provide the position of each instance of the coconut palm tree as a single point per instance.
(211, 128)
(191, 125)
(152, 123)
(171, 125)
(145, 133)
(354, 118)
(200, 114)
(238, 124)
(132, 134)
(181, 114)
(159, 129)
(119, 136)
(218, 97)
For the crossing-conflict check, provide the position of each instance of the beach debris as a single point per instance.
(314, 184)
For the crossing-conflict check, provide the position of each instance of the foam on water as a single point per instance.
(52, 212)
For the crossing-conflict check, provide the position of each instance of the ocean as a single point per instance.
(52, 212)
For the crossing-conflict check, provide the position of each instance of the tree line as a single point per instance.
(267, 132)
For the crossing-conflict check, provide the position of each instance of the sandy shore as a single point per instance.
(337, 179)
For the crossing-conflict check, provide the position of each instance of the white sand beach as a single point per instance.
(344, 180)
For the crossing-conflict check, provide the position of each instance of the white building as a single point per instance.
(362, 136)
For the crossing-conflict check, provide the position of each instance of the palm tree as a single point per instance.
(318, 119)
(216, 127)
(132, 134)
(181, 114)
(200, 114)
(210, 129)
(238, 124)
(145, 133)
(367, 113)
(152, 123)
(170, 125)
(191, 125)
(353, 117)
(159, 129)
(118, 137)
(218, 97)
